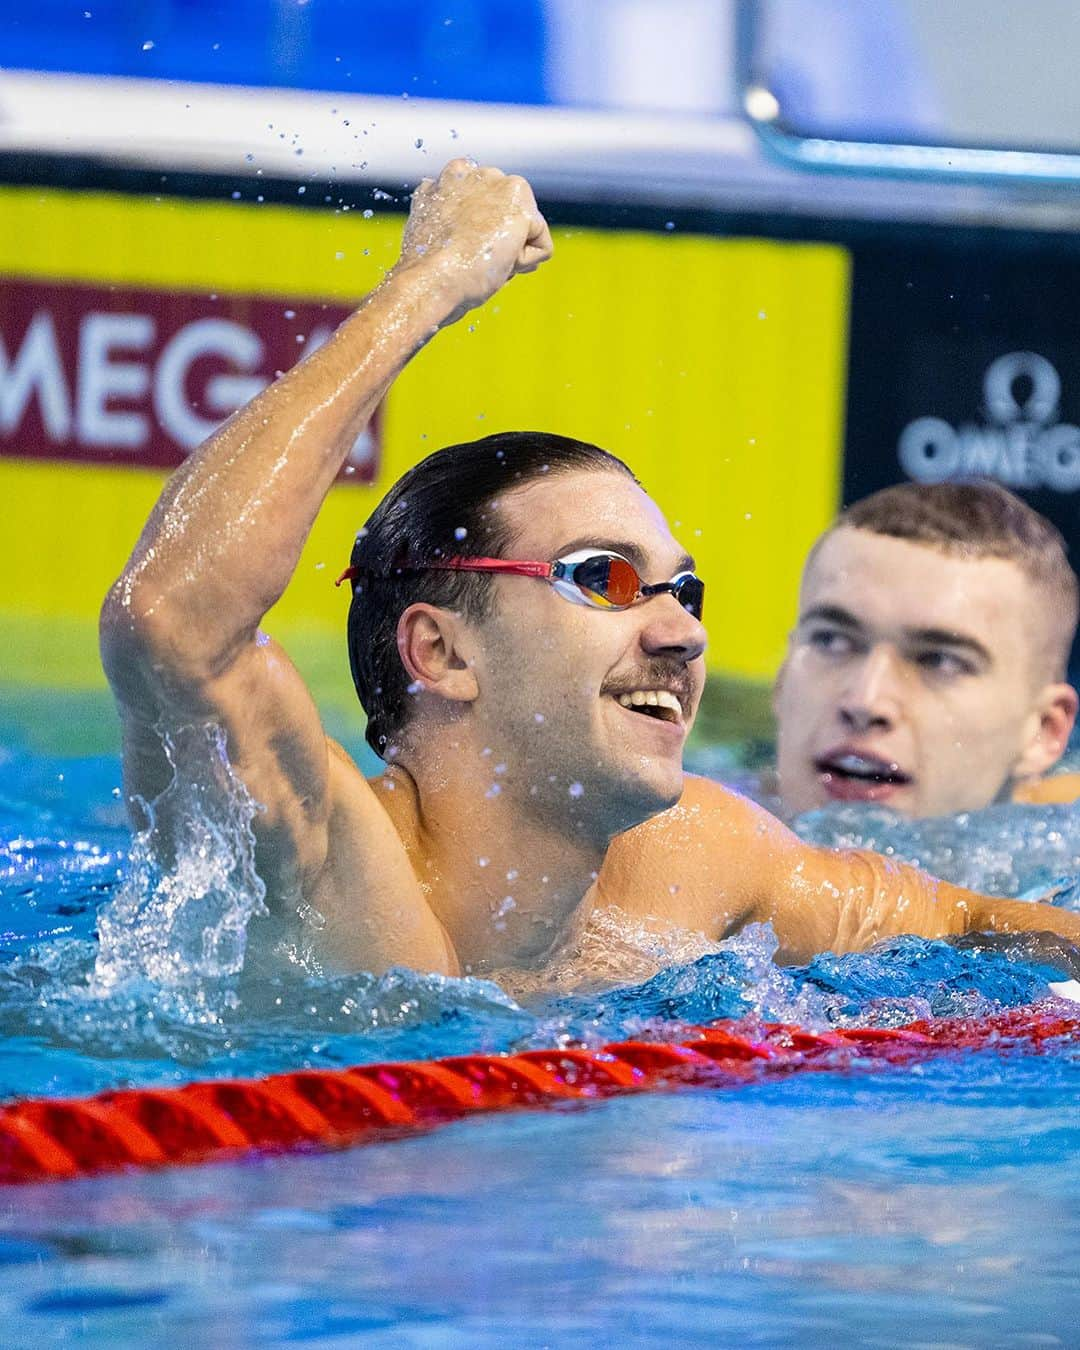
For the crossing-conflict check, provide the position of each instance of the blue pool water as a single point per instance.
(935, 1205)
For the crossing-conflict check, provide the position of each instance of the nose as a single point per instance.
(871, 698)
(671, 630)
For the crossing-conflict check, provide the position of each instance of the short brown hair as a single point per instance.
(980, 519)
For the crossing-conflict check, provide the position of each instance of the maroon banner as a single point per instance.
(141, 377)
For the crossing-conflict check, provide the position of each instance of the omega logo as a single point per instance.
(1019, 442)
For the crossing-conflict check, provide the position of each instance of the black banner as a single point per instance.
(965, 362)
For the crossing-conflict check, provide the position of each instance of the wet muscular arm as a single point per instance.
(717, 862)
(846, 900)
(180, 628)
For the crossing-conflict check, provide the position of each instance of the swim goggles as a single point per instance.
(587, 577)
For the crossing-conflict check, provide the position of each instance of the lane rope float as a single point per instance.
(56, 1138)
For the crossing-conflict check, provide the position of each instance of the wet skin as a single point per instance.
(523, 793)
(916, 679)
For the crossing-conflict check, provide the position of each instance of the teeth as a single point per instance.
(651, 698)
(857, 764)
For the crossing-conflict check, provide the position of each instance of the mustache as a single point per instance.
(658, 674)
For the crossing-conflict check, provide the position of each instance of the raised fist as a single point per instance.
(474, 228)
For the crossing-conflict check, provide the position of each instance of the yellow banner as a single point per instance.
(713, 366)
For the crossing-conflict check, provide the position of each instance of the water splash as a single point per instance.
(181, 913)
(164, 998)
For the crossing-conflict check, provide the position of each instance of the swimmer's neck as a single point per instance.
(511, 887)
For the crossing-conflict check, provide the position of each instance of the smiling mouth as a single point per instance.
(660, 704)
(866, 769)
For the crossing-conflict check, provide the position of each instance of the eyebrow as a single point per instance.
(945, 637)
(940, 637)
(830, 614)
(631, 552)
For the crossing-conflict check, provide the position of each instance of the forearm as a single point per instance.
(919, 903)
(227, 532)
(845, 901)
(989, 915)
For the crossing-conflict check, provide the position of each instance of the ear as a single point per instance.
(433, 646)
(1054, 714)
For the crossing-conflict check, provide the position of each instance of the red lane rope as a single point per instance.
(54, 1138)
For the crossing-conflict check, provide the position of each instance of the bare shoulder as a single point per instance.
(1058, 789)
(707, 812)
(698, 863)
(373, 908)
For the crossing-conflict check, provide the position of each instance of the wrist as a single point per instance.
(429, 287)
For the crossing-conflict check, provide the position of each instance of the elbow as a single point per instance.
(144, 642)
(124, 622)
(132, 621)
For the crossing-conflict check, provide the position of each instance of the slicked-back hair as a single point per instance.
(445, 506)
(978, 518)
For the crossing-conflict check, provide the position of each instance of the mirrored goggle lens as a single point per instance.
(690, 592)
(606, 580)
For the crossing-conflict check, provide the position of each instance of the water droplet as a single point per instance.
(148, 46)
(368, 213)
(576, 790)
(483, 862)
(460, 532)
(669, 224)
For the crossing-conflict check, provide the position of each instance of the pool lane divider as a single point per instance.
(58, 1138)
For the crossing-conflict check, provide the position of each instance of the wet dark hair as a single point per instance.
(444, 506)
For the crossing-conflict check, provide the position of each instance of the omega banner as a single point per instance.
(965, 362)
(141, 377)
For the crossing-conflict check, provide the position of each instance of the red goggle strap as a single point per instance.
(520, 569)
